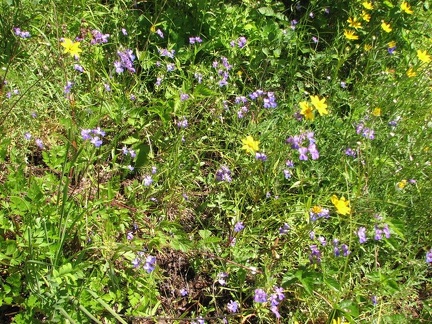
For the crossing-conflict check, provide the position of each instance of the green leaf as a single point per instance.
(142, 155)
(266, 11)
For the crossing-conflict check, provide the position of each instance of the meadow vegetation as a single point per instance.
(209, 161)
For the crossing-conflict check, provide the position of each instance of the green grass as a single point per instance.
(81, 220)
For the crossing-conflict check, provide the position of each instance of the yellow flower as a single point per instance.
(401, 184)
(354, 23)
(411, 73)
(386, 27)
(306, 110)
(392, 44)
(367, 47)
(316, 209)
(250, 145)
(319, 105)
(153, 29)
(405, 7)
(367, 5)
(71, 47)
(423, 56)
(365, 16)
(376, 112)
(350, 35)
(342, 205)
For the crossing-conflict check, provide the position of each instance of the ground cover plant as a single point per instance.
(206, 161)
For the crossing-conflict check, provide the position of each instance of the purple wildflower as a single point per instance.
(260, 156)
(260, 296)
(184, 96)
(68, 87)
(96, 141)
(287, 174)
(315, 39)
(129, 236)
(313, 151)
(126, 61)
(345, 249)
(343, 85)
(362, 235)
(223, 174)
(284, 229)
(386, 230)
(124, 31)
(98, 37)
(312, 235)
(170, 67)
(198, 76)
(350, 152)
(322, 240)
(378, 233)
(160, 33)
(242, 112)
(293, 24)
(148, 180)
(270, 101)
(183, 123)
(27, 136)
(241, 42)
(374, 300)
(78, 68)
(150, 263)
(429, 256)
(183, 292)
(233, 306)
(20, 33)
(238, 227)
(39, 143)
(315, 255)
(302, 151)
(166, 52)
(107, 87)
(221, 276)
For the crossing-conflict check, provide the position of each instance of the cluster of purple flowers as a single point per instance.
(241, 42)
(184, 96)
(223, 174)
(93, 135)
(193, 40)
(126, 61)
(38, 141)
(182, 123)
(21, 33)
(275, 298)
(296, 142)
(15, 92)
(260, 156)
(223, 71)
(365, 132)
(127, 151)
(337, 249)
(379, 231)
(315, 255)
(98, 37)
(350, 152)
(269, 100)
(149, 262)
(167, 53)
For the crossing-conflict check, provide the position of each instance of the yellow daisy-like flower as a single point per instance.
(367, 5)
(401, 184)
(376, 112)
(386, 27)
(306, 110)
(354, 23)
(365, 16)
(71, 47)
(342, 205)
(319, 105)
(350, 35)
(392, 44)
(423, 56)
(411, 73)
(250, 145)
(367, 47)
(405, 7)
